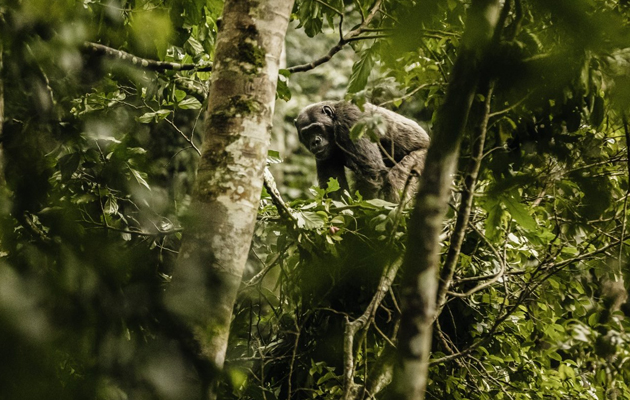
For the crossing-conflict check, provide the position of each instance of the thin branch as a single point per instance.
(493, 278)
(343, 40)
(439, 32)
(354, 39)
(259, 276)
(406, 96)
(188, 139)
(466, 204)
(552, 270)
(510, 108)
(158, 232)
(329, 6)
(298, 332)
(352, 327)
(625, 200)
(358, 4)
(143, 62)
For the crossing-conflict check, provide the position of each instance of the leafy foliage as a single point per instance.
(99, 159)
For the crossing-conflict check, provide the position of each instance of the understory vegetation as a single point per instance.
(99, 156)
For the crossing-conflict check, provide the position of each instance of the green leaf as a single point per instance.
(555, 356)
(493, 222)
(282, 90)
(519, 213)
(361, 71)
(84, 198)
(111, 206)
(135, 151)
(149, 117)
(332, 185)
(189, 103)
(273, 157)
(180, 95)
(357, 131)
(381, 203)
(140, 178)
(309, 220)
(329, 375)
(593, 319)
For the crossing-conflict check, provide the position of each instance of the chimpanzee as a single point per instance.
(380, 168)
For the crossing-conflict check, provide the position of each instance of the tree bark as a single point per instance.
(467, 199)
(423, 250)
(2, 180)
(230, 173)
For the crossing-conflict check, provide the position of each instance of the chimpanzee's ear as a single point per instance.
(328, 111)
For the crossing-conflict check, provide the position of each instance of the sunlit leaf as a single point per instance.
(139, 178)
(519, 213)
(361, 71)
(189, 103)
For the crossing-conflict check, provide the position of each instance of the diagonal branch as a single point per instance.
(353, 35)
(465, 208)
(626, 131)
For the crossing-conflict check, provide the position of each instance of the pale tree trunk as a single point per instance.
(423, 250)
(230, 174)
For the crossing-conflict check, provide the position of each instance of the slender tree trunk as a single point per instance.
(2, 181)
(422, 257)
(467, 199)
(230, 173)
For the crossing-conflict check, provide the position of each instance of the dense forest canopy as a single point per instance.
(146, 145)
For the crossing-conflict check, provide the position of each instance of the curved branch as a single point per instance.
(352, 327)
(143, 62)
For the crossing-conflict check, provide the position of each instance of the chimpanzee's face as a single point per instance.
(315, 125)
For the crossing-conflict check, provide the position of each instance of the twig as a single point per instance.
(293, 356)
(510, 108)
(406, 96)
(343, 40)
(158, 233)
(354, 39)
(143, 62)
(329, 6)
(259, 276)
(186, 138)
(493, 278)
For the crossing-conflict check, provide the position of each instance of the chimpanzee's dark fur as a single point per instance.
(324, 129)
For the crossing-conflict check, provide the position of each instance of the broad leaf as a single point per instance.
(361, 71)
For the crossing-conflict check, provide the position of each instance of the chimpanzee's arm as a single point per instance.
(399, 173)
